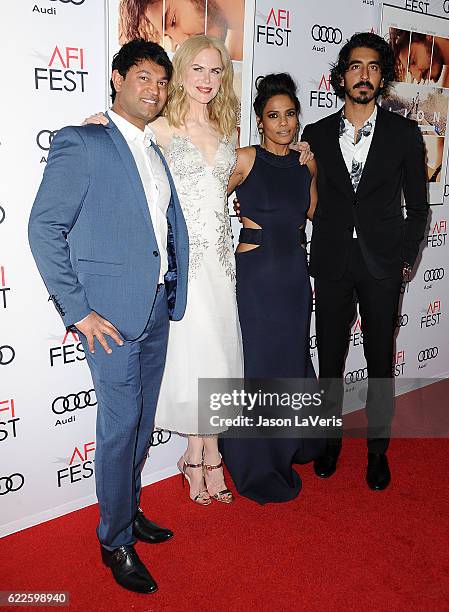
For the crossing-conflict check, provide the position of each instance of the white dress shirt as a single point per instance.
(355, 153)
(154, 180)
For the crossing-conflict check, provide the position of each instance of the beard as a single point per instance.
(362, 97)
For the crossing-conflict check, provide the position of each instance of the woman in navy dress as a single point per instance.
(276, 194)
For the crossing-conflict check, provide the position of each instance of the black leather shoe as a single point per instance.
(147, 531)
(128, 570)
(326, 465)
(378, 473)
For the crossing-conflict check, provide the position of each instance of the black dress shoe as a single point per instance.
(128, 570)
(326, 465)
(378, 473)
(147, 531)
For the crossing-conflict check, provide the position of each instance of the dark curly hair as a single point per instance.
(134, 52)
(371, 41)
(274, 85)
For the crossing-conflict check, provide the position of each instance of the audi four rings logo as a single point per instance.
(76, 2)
(73, 401)
(326, 34)
(428, 353)
(11, 483)
(44, 138)
(160, 436)
(356, 376)
(402, 320)
(7, 354)
(433, 274)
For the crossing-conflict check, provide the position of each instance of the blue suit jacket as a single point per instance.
(91, 234)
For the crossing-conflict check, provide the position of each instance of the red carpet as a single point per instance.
(338, 546)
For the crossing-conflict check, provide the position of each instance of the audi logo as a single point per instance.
(73, 401)
(312, 343)
(356, 376)
(402, 320)
(75, 2)
(7, 354)
(446, 6)
(11, 483)
(326, 34)
(44, 138)
(433, 274)
(2, 214)
(159, 436)
(428, 353)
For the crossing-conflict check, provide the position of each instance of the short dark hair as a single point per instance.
(371, 41)
(134, 52)
(274, 85)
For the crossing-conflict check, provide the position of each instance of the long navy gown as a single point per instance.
(274, 302)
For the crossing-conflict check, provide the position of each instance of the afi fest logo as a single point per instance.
(65, 406)
(433, 314)
(69, 351)
(44, 139)
(65, 71)
(417, 6)
(356, 337)
(81, 465)
(8, 420)
(276, 30)
(398, 363)
(323, 96)
(3, 288)
(437, 235)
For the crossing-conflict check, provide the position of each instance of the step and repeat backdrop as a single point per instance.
(57, 74)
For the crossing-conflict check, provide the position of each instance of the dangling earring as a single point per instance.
(262, 135)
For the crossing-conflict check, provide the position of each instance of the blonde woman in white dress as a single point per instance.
(198, 138)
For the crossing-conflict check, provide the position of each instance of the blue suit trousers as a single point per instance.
(127, 384)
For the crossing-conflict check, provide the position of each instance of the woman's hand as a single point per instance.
(303, 149)
(97, 119)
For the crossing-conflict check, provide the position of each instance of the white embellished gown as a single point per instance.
(206, 342)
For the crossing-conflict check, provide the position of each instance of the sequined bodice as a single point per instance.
(202, 192)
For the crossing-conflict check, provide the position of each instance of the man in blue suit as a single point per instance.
(110, 241)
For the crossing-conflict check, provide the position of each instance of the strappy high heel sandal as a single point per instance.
(225, 495)
(202, 499)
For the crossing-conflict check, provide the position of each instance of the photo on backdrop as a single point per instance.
(422, 91)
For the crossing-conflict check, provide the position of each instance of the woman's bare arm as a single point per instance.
(313, 169)
(245, 161)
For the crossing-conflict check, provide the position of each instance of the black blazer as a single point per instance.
(395, 165)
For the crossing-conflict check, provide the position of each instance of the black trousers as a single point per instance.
(335, 304)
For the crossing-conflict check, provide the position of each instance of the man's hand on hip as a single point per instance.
(94, 326)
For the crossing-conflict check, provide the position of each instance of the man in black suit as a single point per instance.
(361, 244)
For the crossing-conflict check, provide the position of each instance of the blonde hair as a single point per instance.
(223, 108)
